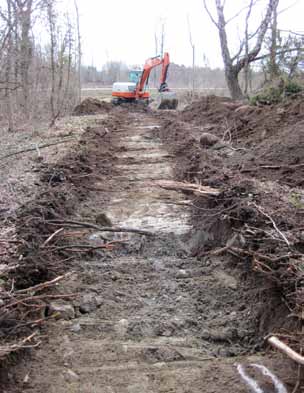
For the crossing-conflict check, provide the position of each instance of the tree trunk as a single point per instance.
(8, 70)
(51, 21)
(233, 84)
(25, 10)
(79, 51)
(233, 65)
(274, 69)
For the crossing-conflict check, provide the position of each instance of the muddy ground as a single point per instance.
(162, 310)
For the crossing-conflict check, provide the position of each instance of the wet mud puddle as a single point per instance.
(150, 318)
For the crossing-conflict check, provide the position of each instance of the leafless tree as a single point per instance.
(24, 9)
(273, 66)
(51, 21)
(37, 80)
(8, 67)
(234, 64)
(193, 55)
(79, 54)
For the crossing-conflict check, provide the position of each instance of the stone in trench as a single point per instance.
(75, 328)
(88, 304)
(71, 376)
(182, 273)
(62, 310)
(208, 139)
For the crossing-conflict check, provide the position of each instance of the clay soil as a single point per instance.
(193, 285)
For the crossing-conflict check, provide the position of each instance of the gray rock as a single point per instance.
(88, 304)
(75, 328)
(182, 273)
(208, 139)
(62, 310)
(71, 376)
(99, 300)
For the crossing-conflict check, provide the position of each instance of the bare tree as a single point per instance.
(8, 67)
(234, 64)
(273, 66)
(51, 21)
(24, 10)
(193, 54)
(159, 45)
(37, 80)
(79, 54)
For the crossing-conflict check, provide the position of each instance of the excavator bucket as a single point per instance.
(167, 100)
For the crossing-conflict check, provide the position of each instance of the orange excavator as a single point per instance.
(136, 90)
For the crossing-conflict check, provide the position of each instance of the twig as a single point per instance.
(218, 251)
(41, 297)
(271, 167)
(273, 223)
(52, 237)
(11, 241)
(85, 247)
(44, 285)
(297, 385)
(35, 148)
(101, 229)
(4, 350)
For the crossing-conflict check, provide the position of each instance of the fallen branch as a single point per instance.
(41, 286)
(197, 189)
(11, 241)
(274, 167)
(84, 247)
(6, 349)
(40, 297)
(100, 229)
(52, 237)
(35, 148)
(278, 344)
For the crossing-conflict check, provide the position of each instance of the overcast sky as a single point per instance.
(124, 30)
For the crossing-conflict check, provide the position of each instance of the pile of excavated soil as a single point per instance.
(92, 106)
(270, 138)
(63, 187)
(254, 156)
(60, 189)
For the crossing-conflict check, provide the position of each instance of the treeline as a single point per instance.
(39, 58)
(179, 76)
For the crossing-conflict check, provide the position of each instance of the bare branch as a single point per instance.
(209, 13)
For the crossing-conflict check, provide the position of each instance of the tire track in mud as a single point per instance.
(150, 318)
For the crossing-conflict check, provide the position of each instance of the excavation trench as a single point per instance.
(149, 318)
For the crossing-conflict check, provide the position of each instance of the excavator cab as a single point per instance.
(135, 75)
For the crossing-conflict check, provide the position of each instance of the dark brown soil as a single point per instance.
(92, 106)
(268, 136)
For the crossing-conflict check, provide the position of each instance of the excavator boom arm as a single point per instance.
(149, 65)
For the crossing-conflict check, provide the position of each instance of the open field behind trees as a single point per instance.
(184, 94)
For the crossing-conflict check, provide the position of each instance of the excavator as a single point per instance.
(136, 90)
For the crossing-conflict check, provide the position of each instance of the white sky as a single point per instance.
(124, 30)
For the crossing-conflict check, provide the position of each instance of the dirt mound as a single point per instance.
(269, 139)
(40, 257)
(92, 106)
(257, 164)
